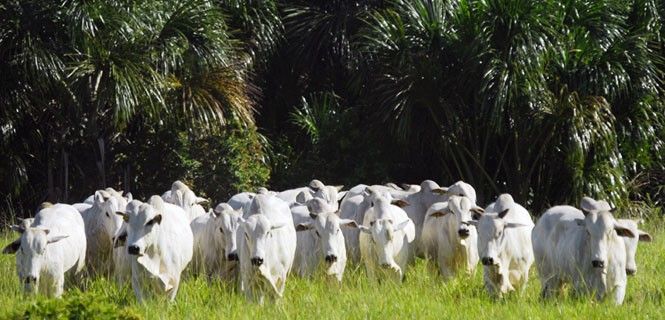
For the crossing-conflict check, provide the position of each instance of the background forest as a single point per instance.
(548, 100)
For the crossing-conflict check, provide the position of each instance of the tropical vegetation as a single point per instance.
(547, 100)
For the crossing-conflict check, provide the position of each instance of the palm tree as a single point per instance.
(84, 70)
(515, 95)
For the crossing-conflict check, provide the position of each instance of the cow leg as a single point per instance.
(174, 290)
(619, 294)
(57, 284)
(136, 285)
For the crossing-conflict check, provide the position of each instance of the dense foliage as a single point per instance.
(548, 100)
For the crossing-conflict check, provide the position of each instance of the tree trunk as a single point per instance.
(102, 163)
(65, 163)
(50, 195)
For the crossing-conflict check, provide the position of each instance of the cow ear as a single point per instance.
(214, 213)
(302, 197)
(277, 226)
(120, 240)
(440, 190)
(477, 210)
(503, 213)
(644, 237)
(514, 225)
(339, 188)
(12, 247)
(129, 196)
(402, 225)
(200, 200)
(313, 216)
(438, 214)
(364, 229)
(623, 231)
(157, 219)
(348, 223)
(304, 226)
(17, 228)
(55, 239)
(476, 214)
(98, 198)
(341, 195)
(400, 203)
(125, 217)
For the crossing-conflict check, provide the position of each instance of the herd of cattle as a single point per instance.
(257, 239)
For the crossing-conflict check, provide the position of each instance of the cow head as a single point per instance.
(110, 204)
(461, 188)
(257, 231)
(491, 228)
(602, 229)
(631, 244)
(463, 210)
(326, 227)
(382, 236)
(228, 222)
(143, 225)
(30, 250)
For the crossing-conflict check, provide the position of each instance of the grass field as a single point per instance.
(422, 295)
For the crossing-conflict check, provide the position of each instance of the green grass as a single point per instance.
(423, 295)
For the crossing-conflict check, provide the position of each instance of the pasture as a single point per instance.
(422, 295)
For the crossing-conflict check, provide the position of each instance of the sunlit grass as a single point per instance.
(423, 295)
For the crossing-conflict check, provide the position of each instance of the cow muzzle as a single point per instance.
(232, 257)
(257, 262)
(631, 272)
(487, 261)
(30, 280)
(331, 258)
(463, 233)
(134, 250)
(598, 264)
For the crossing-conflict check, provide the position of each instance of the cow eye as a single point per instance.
(107, 215)
(372, 223)
(317, 234)
(221, 230)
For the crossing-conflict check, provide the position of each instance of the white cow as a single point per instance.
(160, 243)
(631, 244)
(416, 204)
(101, 225)
(586, 251)
(448, 238)
(386, 241)
(51, 244)
(320, 240)
(504, 245)
(215, 249)
(240, 200)
(353, 207)
(331, 194)
(266, 247)
(182, 196)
